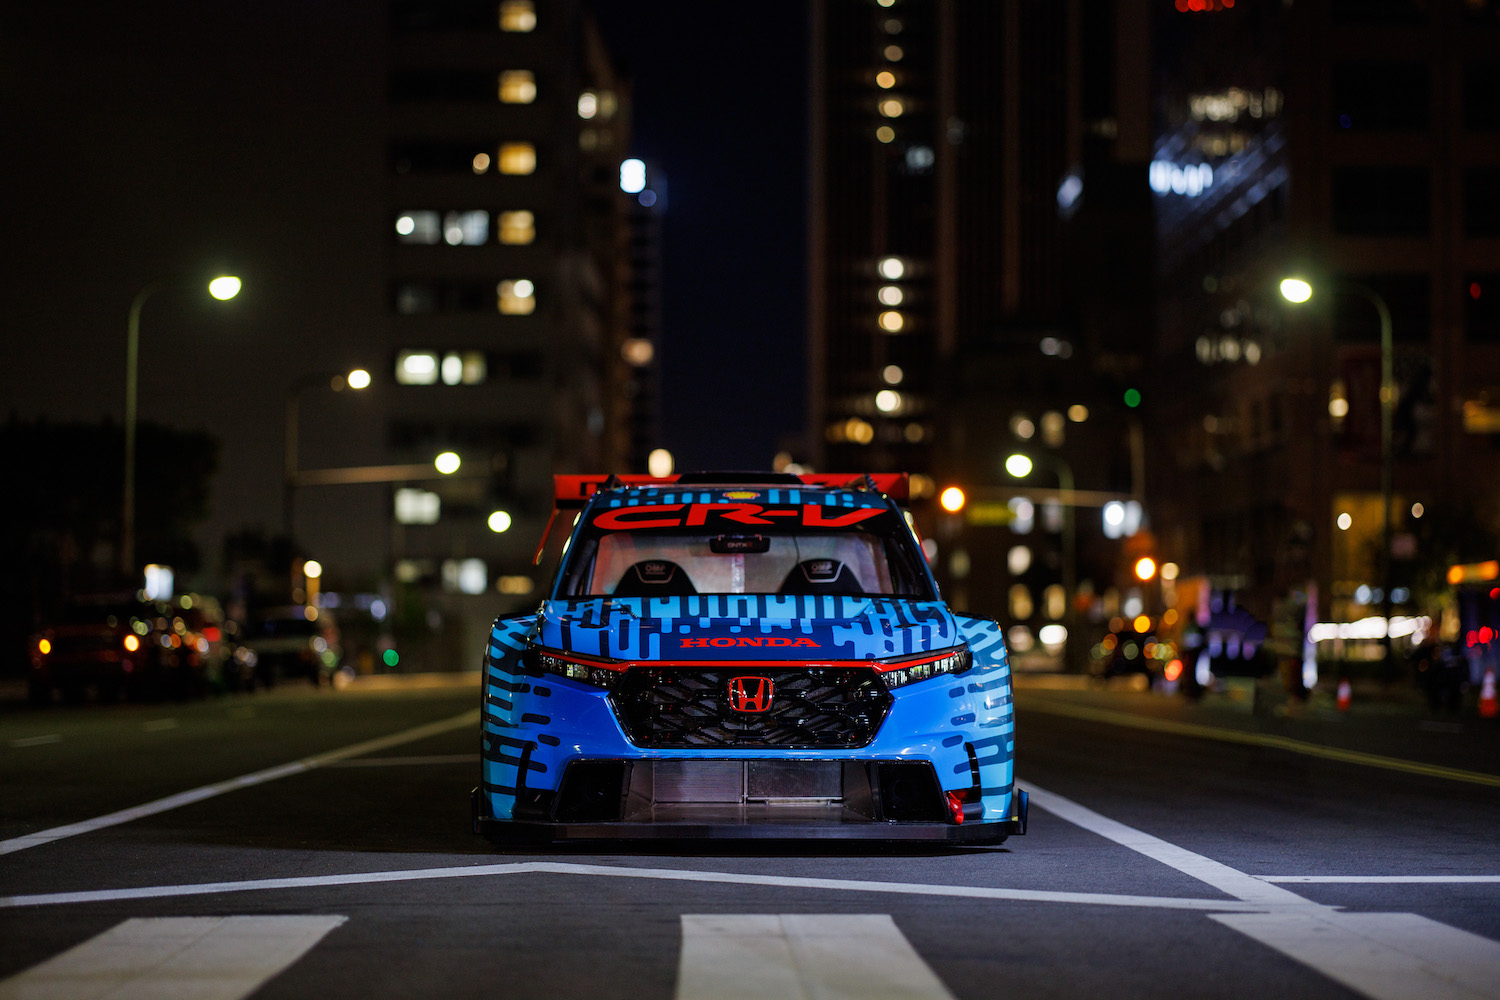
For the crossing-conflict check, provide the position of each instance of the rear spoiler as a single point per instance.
(571, 491)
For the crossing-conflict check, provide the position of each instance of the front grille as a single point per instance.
(812, 708)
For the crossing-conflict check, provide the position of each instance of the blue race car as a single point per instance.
(746, 655)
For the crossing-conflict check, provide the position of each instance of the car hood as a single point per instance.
(746, 627)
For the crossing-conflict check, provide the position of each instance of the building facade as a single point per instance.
(1357, 146)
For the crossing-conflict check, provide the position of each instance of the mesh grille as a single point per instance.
(811, 708)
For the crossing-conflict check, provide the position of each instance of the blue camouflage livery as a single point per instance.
(536, 724)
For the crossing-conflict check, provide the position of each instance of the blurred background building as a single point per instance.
(1353, 144)
(980, 277)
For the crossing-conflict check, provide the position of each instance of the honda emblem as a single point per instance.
(750, 694)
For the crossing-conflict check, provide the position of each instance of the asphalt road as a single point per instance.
(1169, 854)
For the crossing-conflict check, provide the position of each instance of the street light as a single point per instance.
(1019, 466)
(1299, 290)
(356, 379)
(222, 288)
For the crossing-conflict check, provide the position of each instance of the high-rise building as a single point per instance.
(980, 277)
(1355, 145)
(509, 291)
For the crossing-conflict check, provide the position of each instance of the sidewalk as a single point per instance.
(1390, 723)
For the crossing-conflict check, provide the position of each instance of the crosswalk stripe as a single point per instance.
(1385, 956)
(794, 956)
(186, 958)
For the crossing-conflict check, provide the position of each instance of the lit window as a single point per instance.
(464, 368)
(417, 227)
(914, 433)
(466, 228)
(416, 368)
(465, 576)
(893, 53)
(891, 108)
(517, 15)
(920, 159)
(481, 162)
(633, 176)
(892, 268)
(890, 295)
(415, 506)
(521, 585)
(518, 158)
(517, 298)
(517, 86)
(588, 104)
(892, 374)
(1020, 601)
(638, 351)
(892, 26)
(885, 79)
(885, 133)
(517, 228)
(891, 321)
(887, 401)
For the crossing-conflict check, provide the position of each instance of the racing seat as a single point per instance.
(654, 578)
(821, 576)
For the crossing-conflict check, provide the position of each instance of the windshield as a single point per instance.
(876, 557)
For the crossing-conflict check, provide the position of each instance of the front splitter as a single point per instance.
(902, 832)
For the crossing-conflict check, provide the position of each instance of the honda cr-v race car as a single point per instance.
(747, 655)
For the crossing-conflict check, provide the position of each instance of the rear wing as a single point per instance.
(570, 492)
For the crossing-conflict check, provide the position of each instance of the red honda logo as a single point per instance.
(750, 694)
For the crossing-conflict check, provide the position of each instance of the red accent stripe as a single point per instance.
(878, 666)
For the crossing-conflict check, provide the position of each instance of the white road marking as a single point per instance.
(1387, 956)
(158, 725)
(1383, 879)
(1227, 880)
(186, 958)
(448, 758)
(469, 718)
(37, 741)
(616, 871)
(801, 957)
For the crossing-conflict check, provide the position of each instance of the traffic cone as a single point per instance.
(1489, 707)
(1345, 695)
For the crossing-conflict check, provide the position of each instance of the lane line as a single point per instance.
(1264, 740)
(189, 958)
(30, 840)
(615, 871)
(37, 741)
(447, 758)
(793, 956)
(1230, 881)
(1386, 956)
(1384, 879)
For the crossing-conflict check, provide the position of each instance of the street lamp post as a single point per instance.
(223, 288)
(1019, 466)
(356, 379)
(1298, 290)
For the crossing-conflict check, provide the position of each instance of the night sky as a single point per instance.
(168, 136)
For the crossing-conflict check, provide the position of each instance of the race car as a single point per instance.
(745, 655)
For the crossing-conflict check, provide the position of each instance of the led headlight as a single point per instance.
(909, 669)
(599, 673)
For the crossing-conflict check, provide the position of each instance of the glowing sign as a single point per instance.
(1169, 178)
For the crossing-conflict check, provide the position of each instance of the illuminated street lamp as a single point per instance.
(222, 288)
(1299, 290)
(356, 379)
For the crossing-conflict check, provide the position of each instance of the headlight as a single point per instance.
(909, 670)
(599, 673)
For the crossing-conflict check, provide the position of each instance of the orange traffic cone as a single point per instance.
(1489, 707)
(1345, 695)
